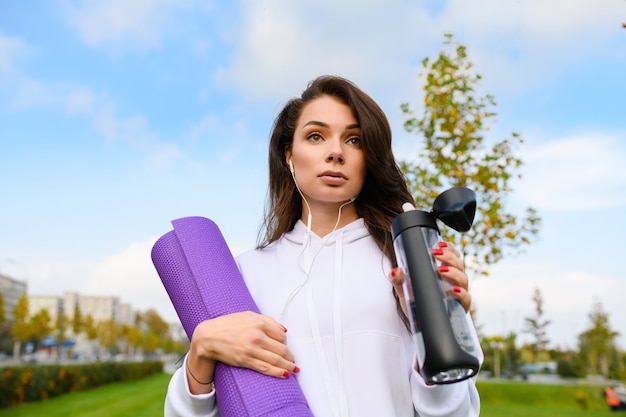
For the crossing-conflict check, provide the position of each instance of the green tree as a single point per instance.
(492, 348)
(502, 357)
(154, 322)
(536, 326)
(108, 333)
(596, 345)
(90, 328)
(5, 328)
(511, 355)
(3, 316)
(455, 153)
(60, 326)
(155, 331)
(40, 325)
(20, 329)
(133, 337)
(77, 320)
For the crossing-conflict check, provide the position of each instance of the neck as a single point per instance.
(325, 217)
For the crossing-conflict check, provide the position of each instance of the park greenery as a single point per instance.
(147, 337)
(32, 383)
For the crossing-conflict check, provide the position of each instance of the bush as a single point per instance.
(565, 369)
(21, 384)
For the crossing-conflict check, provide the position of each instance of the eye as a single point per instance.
(354, 140)
(314, 137)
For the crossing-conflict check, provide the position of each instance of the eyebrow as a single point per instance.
(322, 124)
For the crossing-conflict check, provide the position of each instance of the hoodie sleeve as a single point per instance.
(180, 402)
(460, 399)
(453, 400)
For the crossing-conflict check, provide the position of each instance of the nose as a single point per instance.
(335, 153)
(335, 156)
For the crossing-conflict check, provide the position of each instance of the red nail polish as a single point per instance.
(443, 268)
(296, 370)
(456, 289)
(283, 328)
(286, 374)
(443, 244)
(437, 252)
(394, 271)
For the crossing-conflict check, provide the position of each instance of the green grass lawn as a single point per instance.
(520, 399)
(144, 398)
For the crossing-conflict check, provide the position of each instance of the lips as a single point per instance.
(333, 174)
(333, 178)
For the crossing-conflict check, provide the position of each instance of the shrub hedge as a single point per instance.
(22, 384)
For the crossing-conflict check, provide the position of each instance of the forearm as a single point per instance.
(200, 372)
(181, 402)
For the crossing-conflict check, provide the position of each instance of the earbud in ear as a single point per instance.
(291, 166)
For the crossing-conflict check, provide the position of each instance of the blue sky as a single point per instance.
(117, 117)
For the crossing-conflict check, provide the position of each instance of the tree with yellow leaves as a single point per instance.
(456, 153)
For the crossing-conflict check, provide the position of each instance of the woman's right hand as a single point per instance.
(246, 340)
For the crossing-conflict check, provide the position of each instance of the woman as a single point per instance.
(325, 271)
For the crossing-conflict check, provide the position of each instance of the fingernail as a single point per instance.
(394, 271)
(296, 370)
(286, 374)
(443, 268)
(456, 289)
(437, 252)
(283, 328)
(443, 245)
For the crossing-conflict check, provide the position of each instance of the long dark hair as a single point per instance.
(384, 190)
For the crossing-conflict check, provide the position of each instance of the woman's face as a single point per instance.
(328, 161)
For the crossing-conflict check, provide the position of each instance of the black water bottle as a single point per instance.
(446, 348)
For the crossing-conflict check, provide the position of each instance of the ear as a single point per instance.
(287, 156)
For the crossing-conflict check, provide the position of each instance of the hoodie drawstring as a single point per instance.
(337, 327)
(336, 392)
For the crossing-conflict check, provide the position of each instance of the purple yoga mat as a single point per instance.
(203, 282)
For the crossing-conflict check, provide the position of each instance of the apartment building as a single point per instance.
(11, 290)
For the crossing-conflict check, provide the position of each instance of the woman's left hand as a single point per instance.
(451, 270)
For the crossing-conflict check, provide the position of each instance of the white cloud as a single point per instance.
(133, 129)
(128, 274)
(80, 100)
(230, 140)
(575, 173)
(282, 45)
(535, 22)
(11, 49)
(121, 24)
(530, 42)
(131, 276)
(73, 99)
(505, 298)
(77, 100)
(163, 157)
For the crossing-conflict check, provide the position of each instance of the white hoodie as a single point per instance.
(356, 357)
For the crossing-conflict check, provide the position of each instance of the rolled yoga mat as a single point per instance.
(203, 282)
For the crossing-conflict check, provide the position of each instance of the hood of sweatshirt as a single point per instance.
(349, 233)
